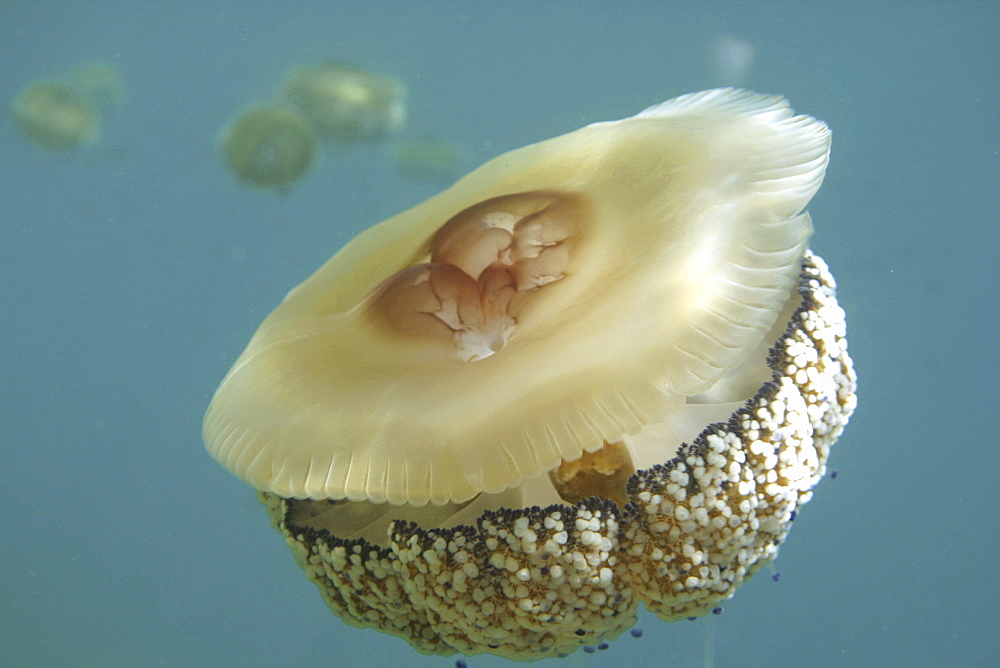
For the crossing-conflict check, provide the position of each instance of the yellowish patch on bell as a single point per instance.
(603, 473)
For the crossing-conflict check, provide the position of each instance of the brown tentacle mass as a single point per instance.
(485, 263)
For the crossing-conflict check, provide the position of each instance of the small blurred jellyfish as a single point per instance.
(269, 146)
(102, 83)
(56, 116)
(731, 60)
(67, 115)
(429, 160)
(347, 104)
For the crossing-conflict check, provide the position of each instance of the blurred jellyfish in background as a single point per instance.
(269, 146)
(731, 60)
(56, 116)
(273, 145)
(429, 160)
(347, 104)
(66, 115)
(101, 82)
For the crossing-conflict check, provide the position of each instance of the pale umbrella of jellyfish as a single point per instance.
(269, 146)
(731, 59)
(102, 82)
(347, 104)
(429, 159)
(600, 370)
(56, 116)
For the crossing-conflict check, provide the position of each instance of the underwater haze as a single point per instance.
(135, 268)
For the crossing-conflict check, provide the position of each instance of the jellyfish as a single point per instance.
(102, 82)
(347, 104)
(56, 116)
(269, 146)
(429, 159)
(731, 59)
(599, 371)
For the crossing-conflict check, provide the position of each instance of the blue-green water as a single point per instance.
(132, 273)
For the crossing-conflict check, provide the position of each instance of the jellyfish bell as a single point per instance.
(56, 116)
(600, 370)
(731, 59)
(429, 159)
(551, 255)
(101, 82)
(269, 146)
(347, 104)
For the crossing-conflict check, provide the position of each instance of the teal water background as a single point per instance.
(133, 273)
